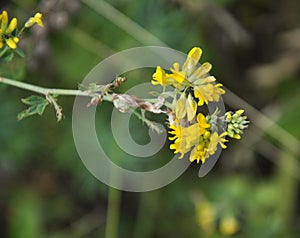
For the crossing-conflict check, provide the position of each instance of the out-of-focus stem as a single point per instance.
(113, 213)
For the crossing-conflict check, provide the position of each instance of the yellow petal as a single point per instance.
(4, 21)
(201, 72)
(201, 119)
(191, 61)
(29, 22)
(240, 112)
(195, 53)
(201, 81)
(10, 42)
(180, 110)
(195, 155)
(191, 107)
(38, 19)
(12, 25)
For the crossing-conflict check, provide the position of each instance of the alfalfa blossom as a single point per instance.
(191, 131)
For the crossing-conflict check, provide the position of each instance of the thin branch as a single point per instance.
(42, 90)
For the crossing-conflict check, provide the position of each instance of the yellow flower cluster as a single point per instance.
(191, 131)
(196, 138)
(8, 30)
(191, 76)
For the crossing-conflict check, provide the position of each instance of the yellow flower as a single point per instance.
(216, 139)
(201, 119)
(190, 76)
(6, 30)
(180, 143)
(207, 146)
(199, 153)
(229, 226)
(206, 216)
(190, 138)
(177, 75)
(36, 19)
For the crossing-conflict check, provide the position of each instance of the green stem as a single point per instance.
(113, 213)
(57, 91)
(287, 185)
(42, 90)
(3, 51)
(148, 212)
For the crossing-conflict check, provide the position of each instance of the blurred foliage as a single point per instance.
(46, 191)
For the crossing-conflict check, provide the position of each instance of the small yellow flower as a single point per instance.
(216, 139)
(206, 216)
(181, 139)
(36, 19)
(197, 78)
(177, 75)
(229, 226)
(203, 124)
(194, 138)
(6, 31)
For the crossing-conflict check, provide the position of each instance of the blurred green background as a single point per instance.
(254, 46)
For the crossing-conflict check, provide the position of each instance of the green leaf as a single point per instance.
(7, 57)
(37, 106)
(20, 52)
(83, 87)
(33, 100)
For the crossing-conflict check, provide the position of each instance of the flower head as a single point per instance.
(191, 131)
(196, 138)
(204, 88)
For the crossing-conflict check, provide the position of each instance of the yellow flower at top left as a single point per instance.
(6, 30)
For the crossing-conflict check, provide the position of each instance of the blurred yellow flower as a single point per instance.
(206, 216)
(36, 19)
(6, 30)
(229, 226)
